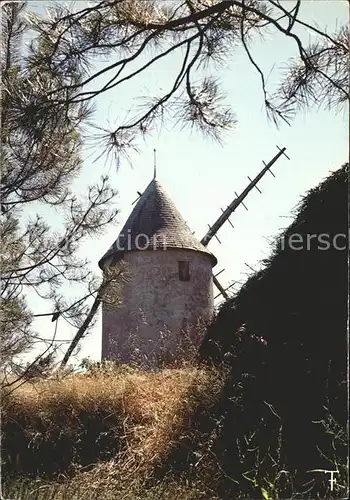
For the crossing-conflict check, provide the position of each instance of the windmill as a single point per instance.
(226, 213)
(119, 322)
(237, 201)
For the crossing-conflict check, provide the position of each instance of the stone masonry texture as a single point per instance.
(157, 306)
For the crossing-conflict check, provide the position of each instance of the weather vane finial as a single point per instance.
(155, 163)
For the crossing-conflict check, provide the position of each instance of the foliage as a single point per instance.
(283, 340)
(113, 432)
(170, 489)
(50, 86)
(108, 413)
(14, 327)
(135, 36)
(40, 157)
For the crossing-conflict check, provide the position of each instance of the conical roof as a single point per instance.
(154, 223)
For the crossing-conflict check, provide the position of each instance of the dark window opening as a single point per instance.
(184, 270)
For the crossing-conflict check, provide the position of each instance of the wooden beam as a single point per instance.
(213, 229)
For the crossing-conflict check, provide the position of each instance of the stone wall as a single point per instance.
(157, 305)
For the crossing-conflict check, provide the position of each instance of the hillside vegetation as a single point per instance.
(282, 411)
(105, 430)
(265, 404)
(284, 339)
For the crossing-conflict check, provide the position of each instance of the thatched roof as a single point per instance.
(154, 223)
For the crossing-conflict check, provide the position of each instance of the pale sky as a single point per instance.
(201, 176)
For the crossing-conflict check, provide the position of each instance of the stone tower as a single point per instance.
(170, 283)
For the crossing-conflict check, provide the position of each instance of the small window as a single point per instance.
(184, 270)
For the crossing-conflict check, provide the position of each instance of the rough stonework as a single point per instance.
(170, 285)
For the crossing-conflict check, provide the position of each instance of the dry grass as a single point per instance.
(114, 426)
(104, 434)
(169, 489)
